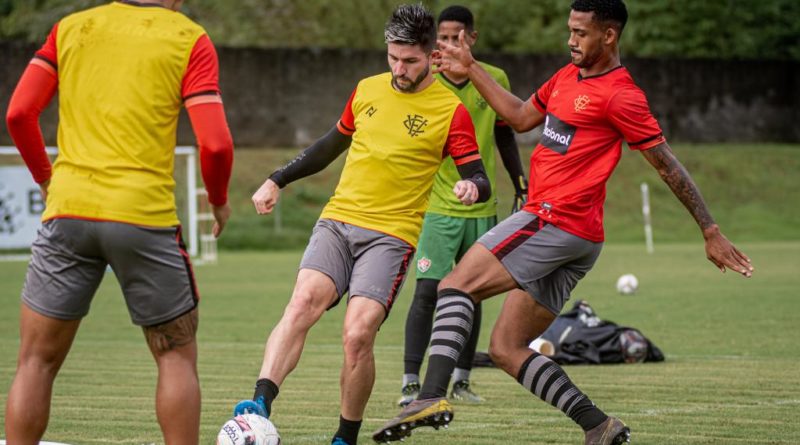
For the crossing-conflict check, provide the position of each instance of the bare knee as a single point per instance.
(173, 334)
(305, 308)
(358, 341)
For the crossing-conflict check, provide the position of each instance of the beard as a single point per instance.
(411, 85)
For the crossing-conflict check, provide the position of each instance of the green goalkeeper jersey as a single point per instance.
(443, 200)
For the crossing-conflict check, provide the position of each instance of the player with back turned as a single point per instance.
(588, 108)
(123, 71)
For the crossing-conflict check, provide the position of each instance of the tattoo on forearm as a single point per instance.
(681, 184)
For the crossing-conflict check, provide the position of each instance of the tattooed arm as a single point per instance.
(719, 250)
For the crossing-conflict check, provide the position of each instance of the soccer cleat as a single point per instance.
(251, 407)
(410, 393)
(463, 393)
(428, 412)
(338, 441)
(610, 432)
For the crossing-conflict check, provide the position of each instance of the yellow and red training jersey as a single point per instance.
(399, 142)
(124, 71)
(586, 120)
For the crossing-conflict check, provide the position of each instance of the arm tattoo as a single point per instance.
(677, 178)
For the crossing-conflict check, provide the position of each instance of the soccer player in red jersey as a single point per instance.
(588, 108)
(123, 72)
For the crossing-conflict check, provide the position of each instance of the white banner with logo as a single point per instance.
(21, 207)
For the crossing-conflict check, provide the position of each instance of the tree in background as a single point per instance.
(748, 29)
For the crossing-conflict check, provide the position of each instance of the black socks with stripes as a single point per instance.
(451, 330)
(544, 378)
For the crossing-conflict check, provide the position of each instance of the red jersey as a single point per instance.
(586, 120)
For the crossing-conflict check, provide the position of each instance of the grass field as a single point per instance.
(731, 374)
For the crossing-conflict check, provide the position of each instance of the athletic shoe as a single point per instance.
(338, 441)
(463, 393)
(410, 393)
(610, 432)
(428, 412)
(251, 407)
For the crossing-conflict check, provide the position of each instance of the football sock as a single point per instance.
(460, 374)
(348, 430)
(268, 390)
(418, 324)
(544, 378)
(408, 378)
(468, 353)
(451, 330)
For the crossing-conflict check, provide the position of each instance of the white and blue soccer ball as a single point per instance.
(248, 429)
(627, 284)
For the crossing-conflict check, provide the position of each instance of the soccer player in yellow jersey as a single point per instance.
(398, 126)
(123, 72)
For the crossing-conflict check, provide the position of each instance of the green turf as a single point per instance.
(730, 376)
(748, 189)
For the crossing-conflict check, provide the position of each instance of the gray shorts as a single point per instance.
(360, 261)
(545, 261)
(69, 259)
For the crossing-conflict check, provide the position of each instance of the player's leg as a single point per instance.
(462, 386)
(157, 281)
(521, 320)
(526, 316)
(378, 275)
(362, 320)
(323, 278)
(482, 276)
(313, 293)
(49, 318)
(174, 348)
(438, 246)
(44, 343)
(496, 264)
(419, 322)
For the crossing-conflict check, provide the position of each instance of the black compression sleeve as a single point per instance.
(473, 171)
(509, 153)
(313, 159)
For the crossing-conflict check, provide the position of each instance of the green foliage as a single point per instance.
(683, 28)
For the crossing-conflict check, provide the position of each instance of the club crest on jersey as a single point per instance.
(415, 124)
(481, 103)
(557, 134)
(423, 264)
(581, 102)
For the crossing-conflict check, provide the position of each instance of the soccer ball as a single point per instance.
(248, 429)
(627, 284)
(633, 345)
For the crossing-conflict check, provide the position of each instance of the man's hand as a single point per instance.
(221, 215)
(43, 189)
(520, 198)
(466, 192)
(265, 198)
(451, 58)
(724, 254)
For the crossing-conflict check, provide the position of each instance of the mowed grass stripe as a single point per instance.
(730, 374)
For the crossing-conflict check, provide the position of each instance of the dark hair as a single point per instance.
(411, 25)
(457, 13)
(611, 12)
